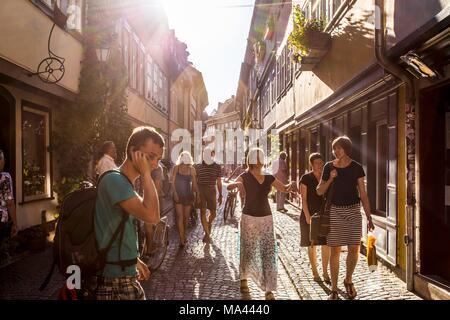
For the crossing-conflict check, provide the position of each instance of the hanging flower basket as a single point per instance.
(318, 44)
(308, 41)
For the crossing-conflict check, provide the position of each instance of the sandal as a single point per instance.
(350, 289)
(326, 279)
(244, 286)
(333, 296)
(270, 296)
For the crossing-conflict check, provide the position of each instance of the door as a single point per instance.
(7, 132)
(435, 184)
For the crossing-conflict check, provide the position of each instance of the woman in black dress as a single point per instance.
(349, 190)
(311, 203)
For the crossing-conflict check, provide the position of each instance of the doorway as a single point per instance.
(7, 132)
(435, 184)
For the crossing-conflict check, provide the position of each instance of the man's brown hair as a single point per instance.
(140, 136)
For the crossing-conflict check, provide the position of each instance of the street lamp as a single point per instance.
(103, 52)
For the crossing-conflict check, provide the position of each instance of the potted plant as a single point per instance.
(270, 28)
(308, 41)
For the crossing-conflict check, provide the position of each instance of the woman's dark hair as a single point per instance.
(345, 143)
(140, 136)
(314, 156)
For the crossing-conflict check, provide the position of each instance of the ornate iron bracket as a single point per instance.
(51, 69)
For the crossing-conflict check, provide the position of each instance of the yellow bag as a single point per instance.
(371, 252)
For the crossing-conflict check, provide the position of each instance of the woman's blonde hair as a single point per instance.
(255, 156)
(185, 158)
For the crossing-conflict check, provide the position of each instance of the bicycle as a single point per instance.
(230, 205)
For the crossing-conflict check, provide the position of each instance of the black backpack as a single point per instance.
(75, 241)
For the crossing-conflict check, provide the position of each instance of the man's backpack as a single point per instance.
(75, 241)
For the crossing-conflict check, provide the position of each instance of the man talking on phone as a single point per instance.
(117, 206)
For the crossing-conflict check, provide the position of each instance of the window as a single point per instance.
(35, 157)
(278, 75)
(273, 98)
(381, 165)
(307, 10)
(134, 64)
(71, 8)
(160, 88)
(265, 99)
(155, 80)
(192, 120)
(149, 78)
(141, 72)
(166, 95)
(283, 70)
(288, 67)
(180, 109)
(48, 3)
(322, 9)
(335, 5)
(126, 51)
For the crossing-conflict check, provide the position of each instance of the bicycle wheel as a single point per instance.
(225, 209)
(155, 258)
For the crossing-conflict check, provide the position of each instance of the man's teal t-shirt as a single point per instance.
(113, 189)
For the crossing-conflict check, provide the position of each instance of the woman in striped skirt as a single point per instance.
(349, 190)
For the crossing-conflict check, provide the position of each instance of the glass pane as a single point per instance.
(34, 154)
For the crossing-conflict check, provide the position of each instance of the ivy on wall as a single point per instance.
(98, 114)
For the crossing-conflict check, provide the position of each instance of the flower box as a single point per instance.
(318, 43)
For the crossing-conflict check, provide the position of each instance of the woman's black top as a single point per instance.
(256, 195)
(313, 199)
(345, 190)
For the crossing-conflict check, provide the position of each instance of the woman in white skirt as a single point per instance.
(258, 259)
(349, 190)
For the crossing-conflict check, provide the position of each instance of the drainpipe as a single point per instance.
(394, 69)
(169, 111)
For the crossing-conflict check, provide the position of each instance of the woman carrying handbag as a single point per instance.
(312, 203)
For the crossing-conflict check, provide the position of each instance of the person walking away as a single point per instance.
(108, 160)
(258, 259)
(280, 171)
(117, 200)
(312, 203)
(209, 177)
(184, 182)
(349, 190)
(8, 218)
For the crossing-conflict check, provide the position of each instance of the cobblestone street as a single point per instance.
(211, 271)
